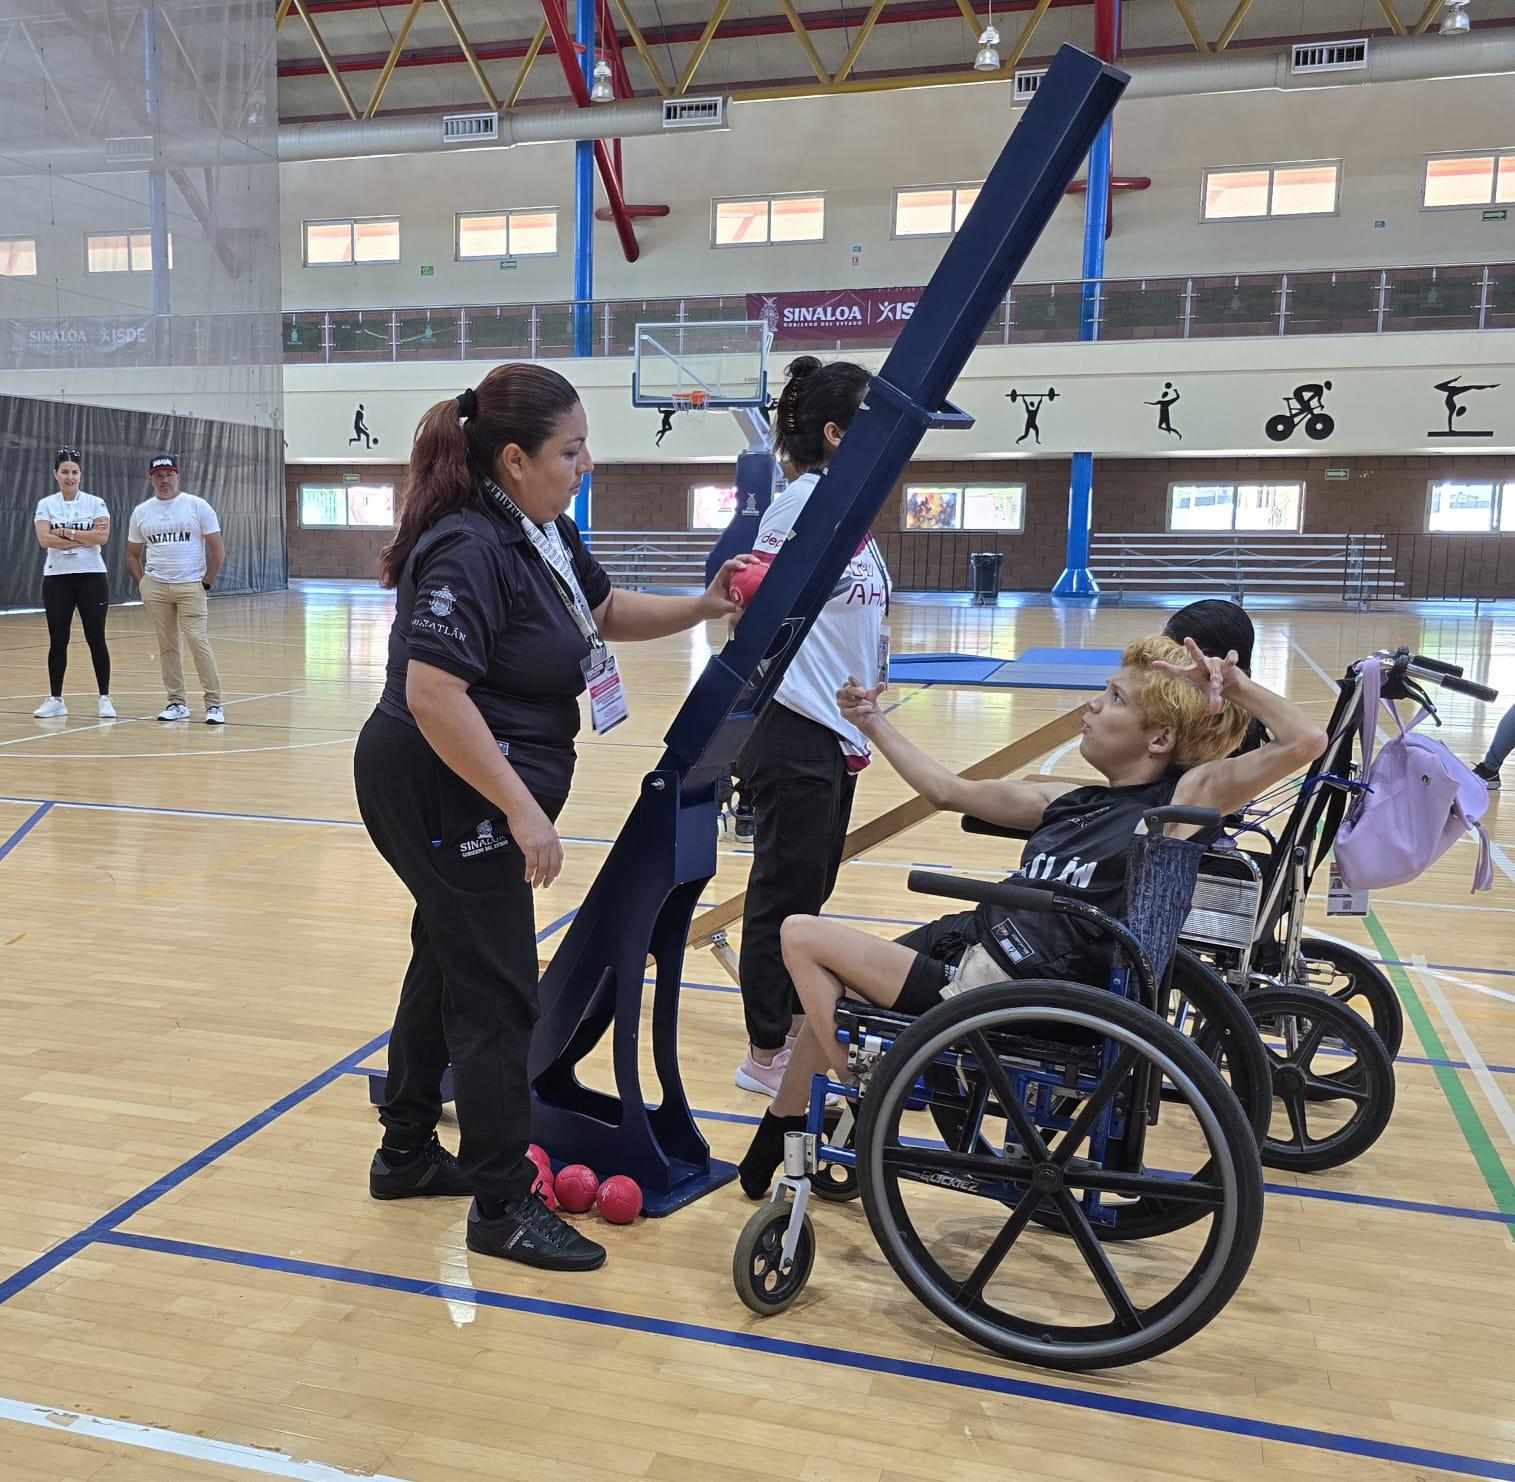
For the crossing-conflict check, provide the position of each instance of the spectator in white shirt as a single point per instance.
(178, 538)
(73, 527)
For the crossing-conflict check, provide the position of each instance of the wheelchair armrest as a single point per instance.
(972, 825)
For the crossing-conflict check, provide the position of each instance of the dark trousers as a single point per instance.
(794, 774)
(88, 593)
(469, 996)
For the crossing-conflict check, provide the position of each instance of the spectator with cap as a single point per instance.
(174, 551)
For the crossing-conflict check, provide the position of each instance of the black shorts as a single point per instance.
(939, 947)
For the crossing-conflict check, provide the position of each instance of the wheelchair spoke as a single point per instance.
(938, 1160)
(973, 1116)
(972, 1289)
(1098, 1261)
(1295, 1106)
(1145, 1185)
(1025, 1130)
(1346, 1089)
(1093, 1105)
(1304, 1052)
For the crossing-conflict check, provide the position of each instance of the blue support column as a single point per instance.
(1077, 580)
(583, 239)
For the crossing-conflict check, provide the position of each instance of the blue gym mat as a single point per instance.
(1035, 669)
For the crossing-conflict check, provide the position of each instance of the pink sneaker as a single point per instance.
(753, 1075)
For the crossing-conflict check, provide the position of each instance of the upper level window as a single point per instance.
(18, 257)
(1481, 507)
(1254, 192)
(932, 210)
(1468, 180)
(491, 234)
(1236, 506)
(759, 220)
(122, 252)
(365, 240)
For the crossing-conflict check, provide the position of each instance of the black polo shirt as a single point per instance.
(477, 600)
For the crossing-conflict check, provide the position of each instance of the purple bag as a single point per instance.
(1419, 800)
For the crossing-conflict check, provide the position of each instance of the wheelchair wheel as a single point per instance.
(958, 1226)
(757, 1262)
(1333, 1081)
(832, 1181)
(1357, 982)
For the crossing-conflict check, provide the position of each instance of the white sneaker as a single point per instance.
(107, 710)
(51, 709)
(215, 715)
(178, 710)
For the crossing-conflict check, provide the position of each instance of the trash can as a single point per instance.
(985, 569)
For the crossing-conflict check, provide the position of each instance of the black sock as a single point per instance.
(404, 1157)
(766, 1153)
(493, 1209)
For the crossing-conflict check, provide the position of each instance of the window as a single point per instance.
(1481, 508)
(765, 219)
(507, 234)
(965, 507)
(1258, 191)
(1468, 180)
(337, 243)
(711, 506)
(355, 506)
(122, 252)
(1235, 506)
(18, 257)
(932, 210)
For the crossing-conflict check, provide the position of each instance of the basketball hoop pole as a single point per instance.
(641, 904)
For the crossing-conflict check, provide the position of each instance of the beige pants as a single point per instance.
(182, 607)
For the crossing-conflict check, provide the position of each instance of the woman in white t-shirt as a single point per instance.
(73, 527)
(799, 767)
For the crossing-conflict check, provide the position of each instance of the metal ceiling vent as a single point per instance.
(129, 148)
(1027, 80)
(470, 128)
(1330, 56)
(694, 113)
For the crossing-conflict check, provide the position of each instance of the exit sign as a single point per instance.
(507, 264)
(349, 478)
(427, 271)
(1338, 473)
(1501, 215)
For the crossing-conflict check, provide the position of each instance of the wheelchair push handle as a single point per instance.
(1006, 893)
(1155, 818)
(1437, 666)
(972, 825)
(1470, 688)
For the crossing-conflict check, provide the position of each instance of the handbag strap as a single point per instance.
(1370, 674)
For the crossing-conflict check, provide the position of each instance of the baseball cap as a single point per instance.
(162, 461)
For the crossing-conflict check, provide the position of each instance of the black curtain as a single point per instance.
(236, 468)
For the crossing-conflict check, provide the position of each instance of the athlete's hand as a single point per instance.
(538, 840)
(859, 704)
(1213, 676)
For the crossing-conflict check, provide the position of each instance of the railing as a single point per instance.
(1345, 301)
(1420, 567)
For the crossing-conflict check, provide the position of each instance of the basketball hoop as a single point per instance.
(695, 402)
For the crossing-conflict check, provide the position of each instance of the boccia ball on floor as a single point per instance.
(620, 1199)
(576, 1187)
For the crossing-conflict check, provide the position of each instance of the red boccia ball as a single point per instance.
(576, 1187)
(545, 1185)
(743, 586)
(620, 1199)
(538, 1155)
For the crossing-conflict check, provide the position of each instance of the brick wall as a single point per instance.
(1131, 494)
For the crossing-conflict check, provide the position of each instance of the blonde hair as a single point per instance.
(1166, 700)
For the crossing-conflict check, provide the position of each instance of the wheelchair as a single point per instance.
(1329, 1017)
(1054, 1217)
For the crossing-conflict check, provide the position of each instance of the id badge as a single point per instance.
(1341, 899)
(607, 692)
(883, 656)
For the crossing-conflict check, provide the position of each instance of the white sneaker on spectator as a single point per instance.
(753, 1075)
(107, 710)
(51, 709)
(177, 710)
(215, 715)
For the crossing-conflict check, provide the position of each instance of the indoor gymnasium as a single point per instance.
(757, 740)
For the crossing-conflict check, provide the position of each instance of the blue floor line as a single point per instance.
(854, 1360)
(42, 811)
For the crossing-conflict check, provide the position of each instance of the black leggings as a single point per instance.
(89, 592)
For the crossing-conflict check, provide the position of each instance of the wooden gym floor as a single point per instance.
(201, 951)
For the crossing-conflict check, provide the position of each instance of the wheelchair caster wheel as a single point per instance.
(757, 1263)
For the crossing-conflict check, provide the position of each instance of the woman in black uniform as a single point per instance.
(501, 620)
(1161, 732)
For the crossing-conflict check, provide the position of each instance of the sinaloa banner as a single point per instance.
(26, 343)
(848, 314)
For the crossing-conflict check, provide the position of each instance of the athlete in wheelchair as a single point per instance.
(1043, 1090)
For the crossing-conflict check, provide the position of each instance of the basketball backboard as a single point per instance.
(727, 360)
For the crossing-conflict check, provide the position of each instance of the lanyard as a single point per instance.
(548, 544)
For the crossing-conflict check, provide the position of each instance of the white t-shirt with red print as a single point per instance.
(844, 638)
